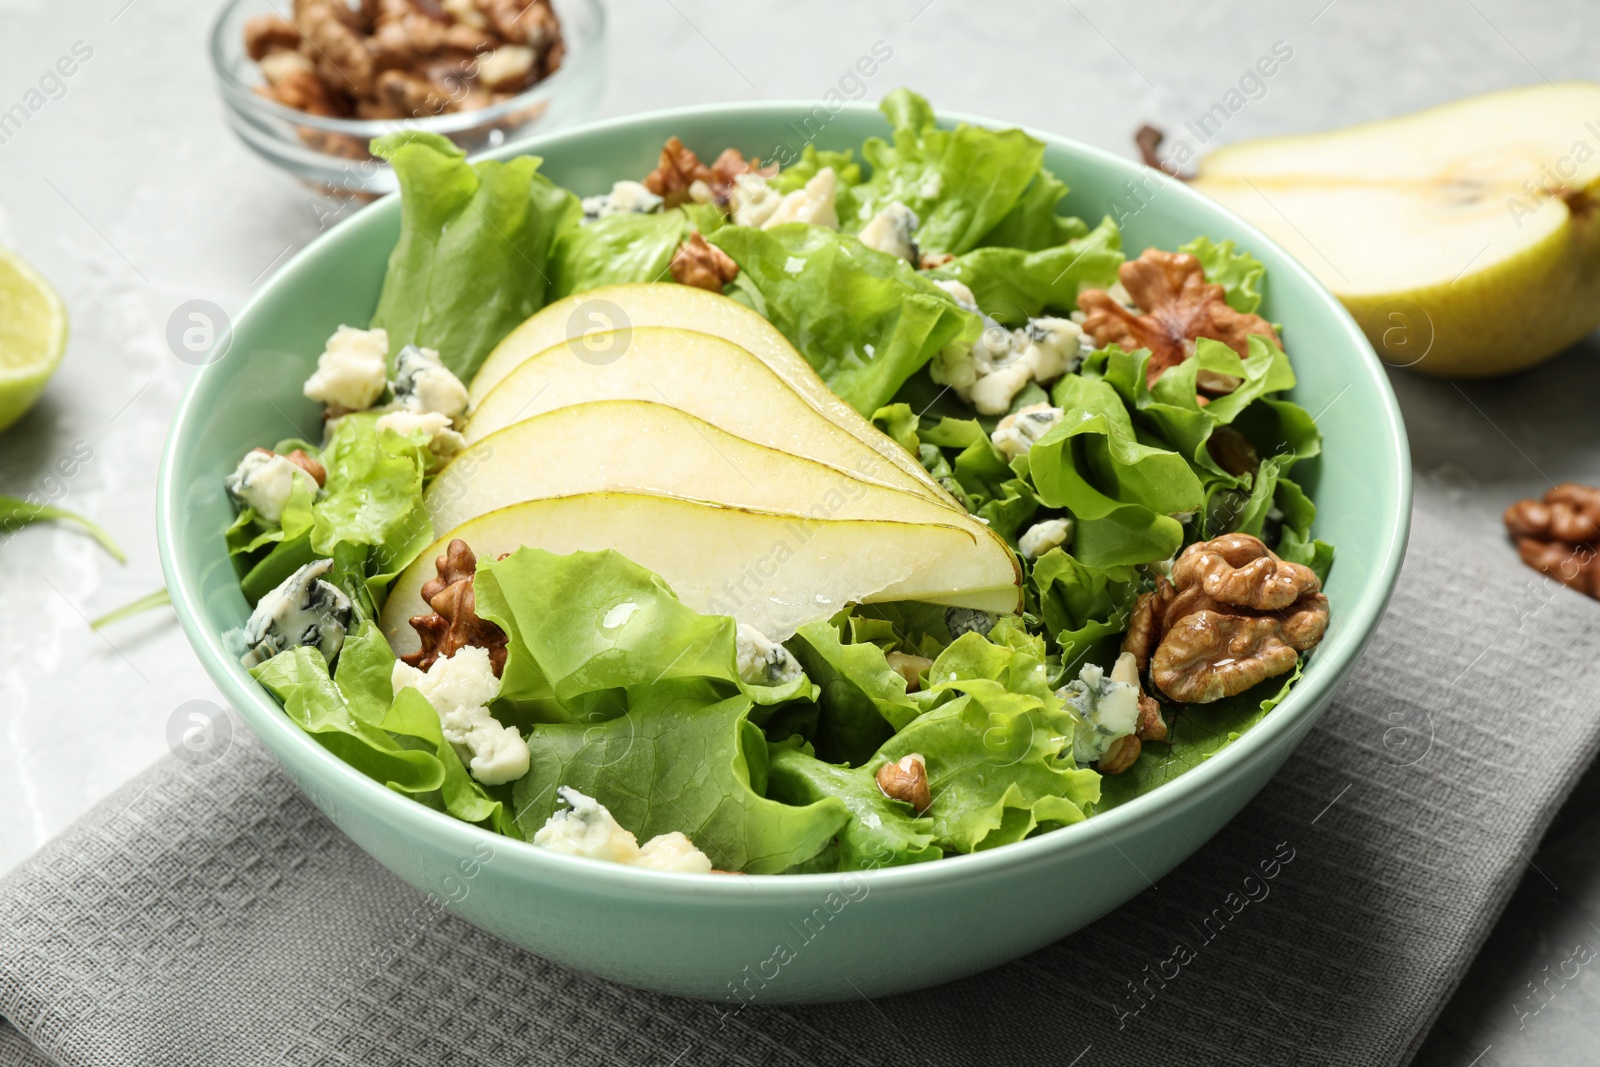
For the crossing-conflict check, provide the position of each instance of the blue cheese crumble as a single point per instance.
(353, 371)
(968, 620)
(625, 198)
(813, 204)
(460, 688)
(1041, 537)
(891, 230)
(423, 384)
(1018, 432)
(264, 481)
(990, 372)
(761, 661)
(586, 828)
(1106, 707)
(303, 611)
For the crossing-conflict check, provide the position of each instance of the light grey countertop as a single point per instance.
(127, 191)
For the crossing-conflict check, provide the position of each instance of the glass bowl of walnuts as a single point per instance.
(309, 84)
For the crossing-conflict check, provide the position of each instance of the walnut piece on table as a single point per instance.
(1233, 616)
(454, 623)
(1558, 535)
(1174, 306)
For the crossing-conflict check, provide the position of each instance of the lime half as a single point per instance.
(33, 335)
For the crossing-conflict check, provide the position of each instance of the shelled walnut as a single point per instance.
(702, 265)
(1559, 535)
(1173, 306)
(1233, 615)
(398, 59)
(454, 623)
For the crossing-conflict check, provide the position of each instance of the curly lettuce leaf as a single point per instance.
(1198, 732)
(1239, 273)
(1033, 224)
(999, 765)
(627, 247)
(473, 259)
(881, 832)
(865, 320)
(862, 702)
(683, 757)
(1121, 491)
(1084, 609)
(1171, 410)
(374, 494)
(960, 182)
(1013, 285)
(299, 679)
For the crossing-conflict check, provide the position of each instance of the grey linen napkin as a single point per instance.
(209, 915)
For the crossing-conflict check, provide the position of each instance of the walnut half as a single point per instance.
(1233, 616)
(702, 265)
(1558, 535)
(1175, 305)
(454, 623)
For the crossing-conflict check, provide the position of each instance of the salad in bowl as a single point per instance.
(842, 512)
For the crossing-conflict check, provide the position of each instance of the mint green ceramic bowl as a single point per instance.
(783, 938)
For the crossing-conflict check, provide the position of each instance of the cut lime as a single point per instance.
(33, 335)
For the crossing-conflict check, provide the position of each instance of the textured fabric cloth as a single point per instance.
(209, 915)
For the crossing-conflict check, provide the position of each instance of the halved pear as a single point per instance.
(772, 570)
(639, 445)
(582, 319)
(705, 376)
(1463, 238)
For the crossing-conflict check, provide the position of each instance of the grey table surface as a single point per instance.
(126, 189)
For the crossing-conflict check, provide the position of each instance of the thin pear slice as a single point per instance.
(639, 445)
(1465, 239)
(705, 376)
(584, 316)
(771, 570)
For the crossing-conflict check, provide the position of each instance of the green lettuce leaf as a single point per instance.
(999, 765)
(1085, 610)
(1033, 224)
(299, 679)
(1013, 285)
(587, 629)
(473, 259)
(862, 700)
(1121, 491)
(1171, 410)
(960, 182)
(626, 247)
(1239, 273)
(881, 832)
(683, 757)
(374, 494)
(865, 320)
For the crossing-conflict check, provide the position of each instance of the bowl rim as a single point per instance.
(242, 96)
(1324, 675)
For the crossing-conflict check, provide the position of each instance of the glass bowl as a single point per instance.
(330, 153)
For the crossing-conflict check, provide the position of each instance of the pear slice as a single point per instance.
(582, 319)
(638, 445)
(705, 376)
(1464, 239)
(772, 570)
